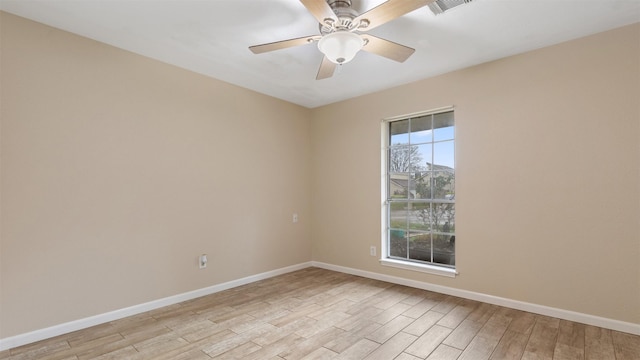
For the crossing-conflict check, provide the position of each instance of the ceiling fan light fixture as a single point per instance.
(340, 47)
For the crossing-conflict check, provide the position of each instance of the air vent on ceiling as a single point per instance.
(440, 6)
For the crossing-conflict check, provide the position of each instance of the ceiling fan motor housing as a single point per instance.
(345, 15)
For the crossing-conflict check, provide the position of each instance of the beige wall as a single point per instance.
(548, 175)
(118, 171)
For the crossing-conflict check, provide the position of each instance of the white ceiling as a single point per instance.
(212, 37)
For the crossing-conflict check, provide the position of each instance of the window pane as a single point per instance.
(444, 249)
(421, 130)
(419, 218)
(421, 185)
(443, 155)
(399, 215)
(443, 185)
(443, 126)
(399, 132)
(420, 155)
(450, 219)
(420, 247)
(399, 186)
(443, 217)
(399, 158)
(397, 243)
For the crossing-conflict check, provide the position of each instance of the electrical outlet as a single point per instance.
(295, 218)
(202, 261)
(372, 251)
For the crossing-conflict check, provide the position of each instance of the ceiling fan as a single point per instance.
(342, 32)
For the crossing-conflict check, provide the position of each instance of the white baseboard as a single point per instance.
(37, 335)
(612, 324)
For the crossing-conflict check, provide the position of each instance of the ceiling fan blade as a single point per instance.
(320, 9)
(258, 49)
(388, 11)
(386, 48)
(326, 69)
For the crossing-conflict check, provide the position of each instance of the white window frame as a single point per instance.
(392, 262)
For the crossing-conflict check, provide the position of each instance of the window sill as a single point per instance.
(429, 269)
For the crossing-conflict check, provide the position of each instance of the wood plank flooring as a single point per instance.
(315, 314)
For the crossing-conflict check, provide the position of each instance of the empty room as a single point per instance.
(319, 179)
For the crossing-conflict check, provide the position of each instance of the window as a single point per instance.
(420, 191)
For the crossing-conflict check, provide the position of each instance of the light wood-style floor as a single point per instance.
(320, 314)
